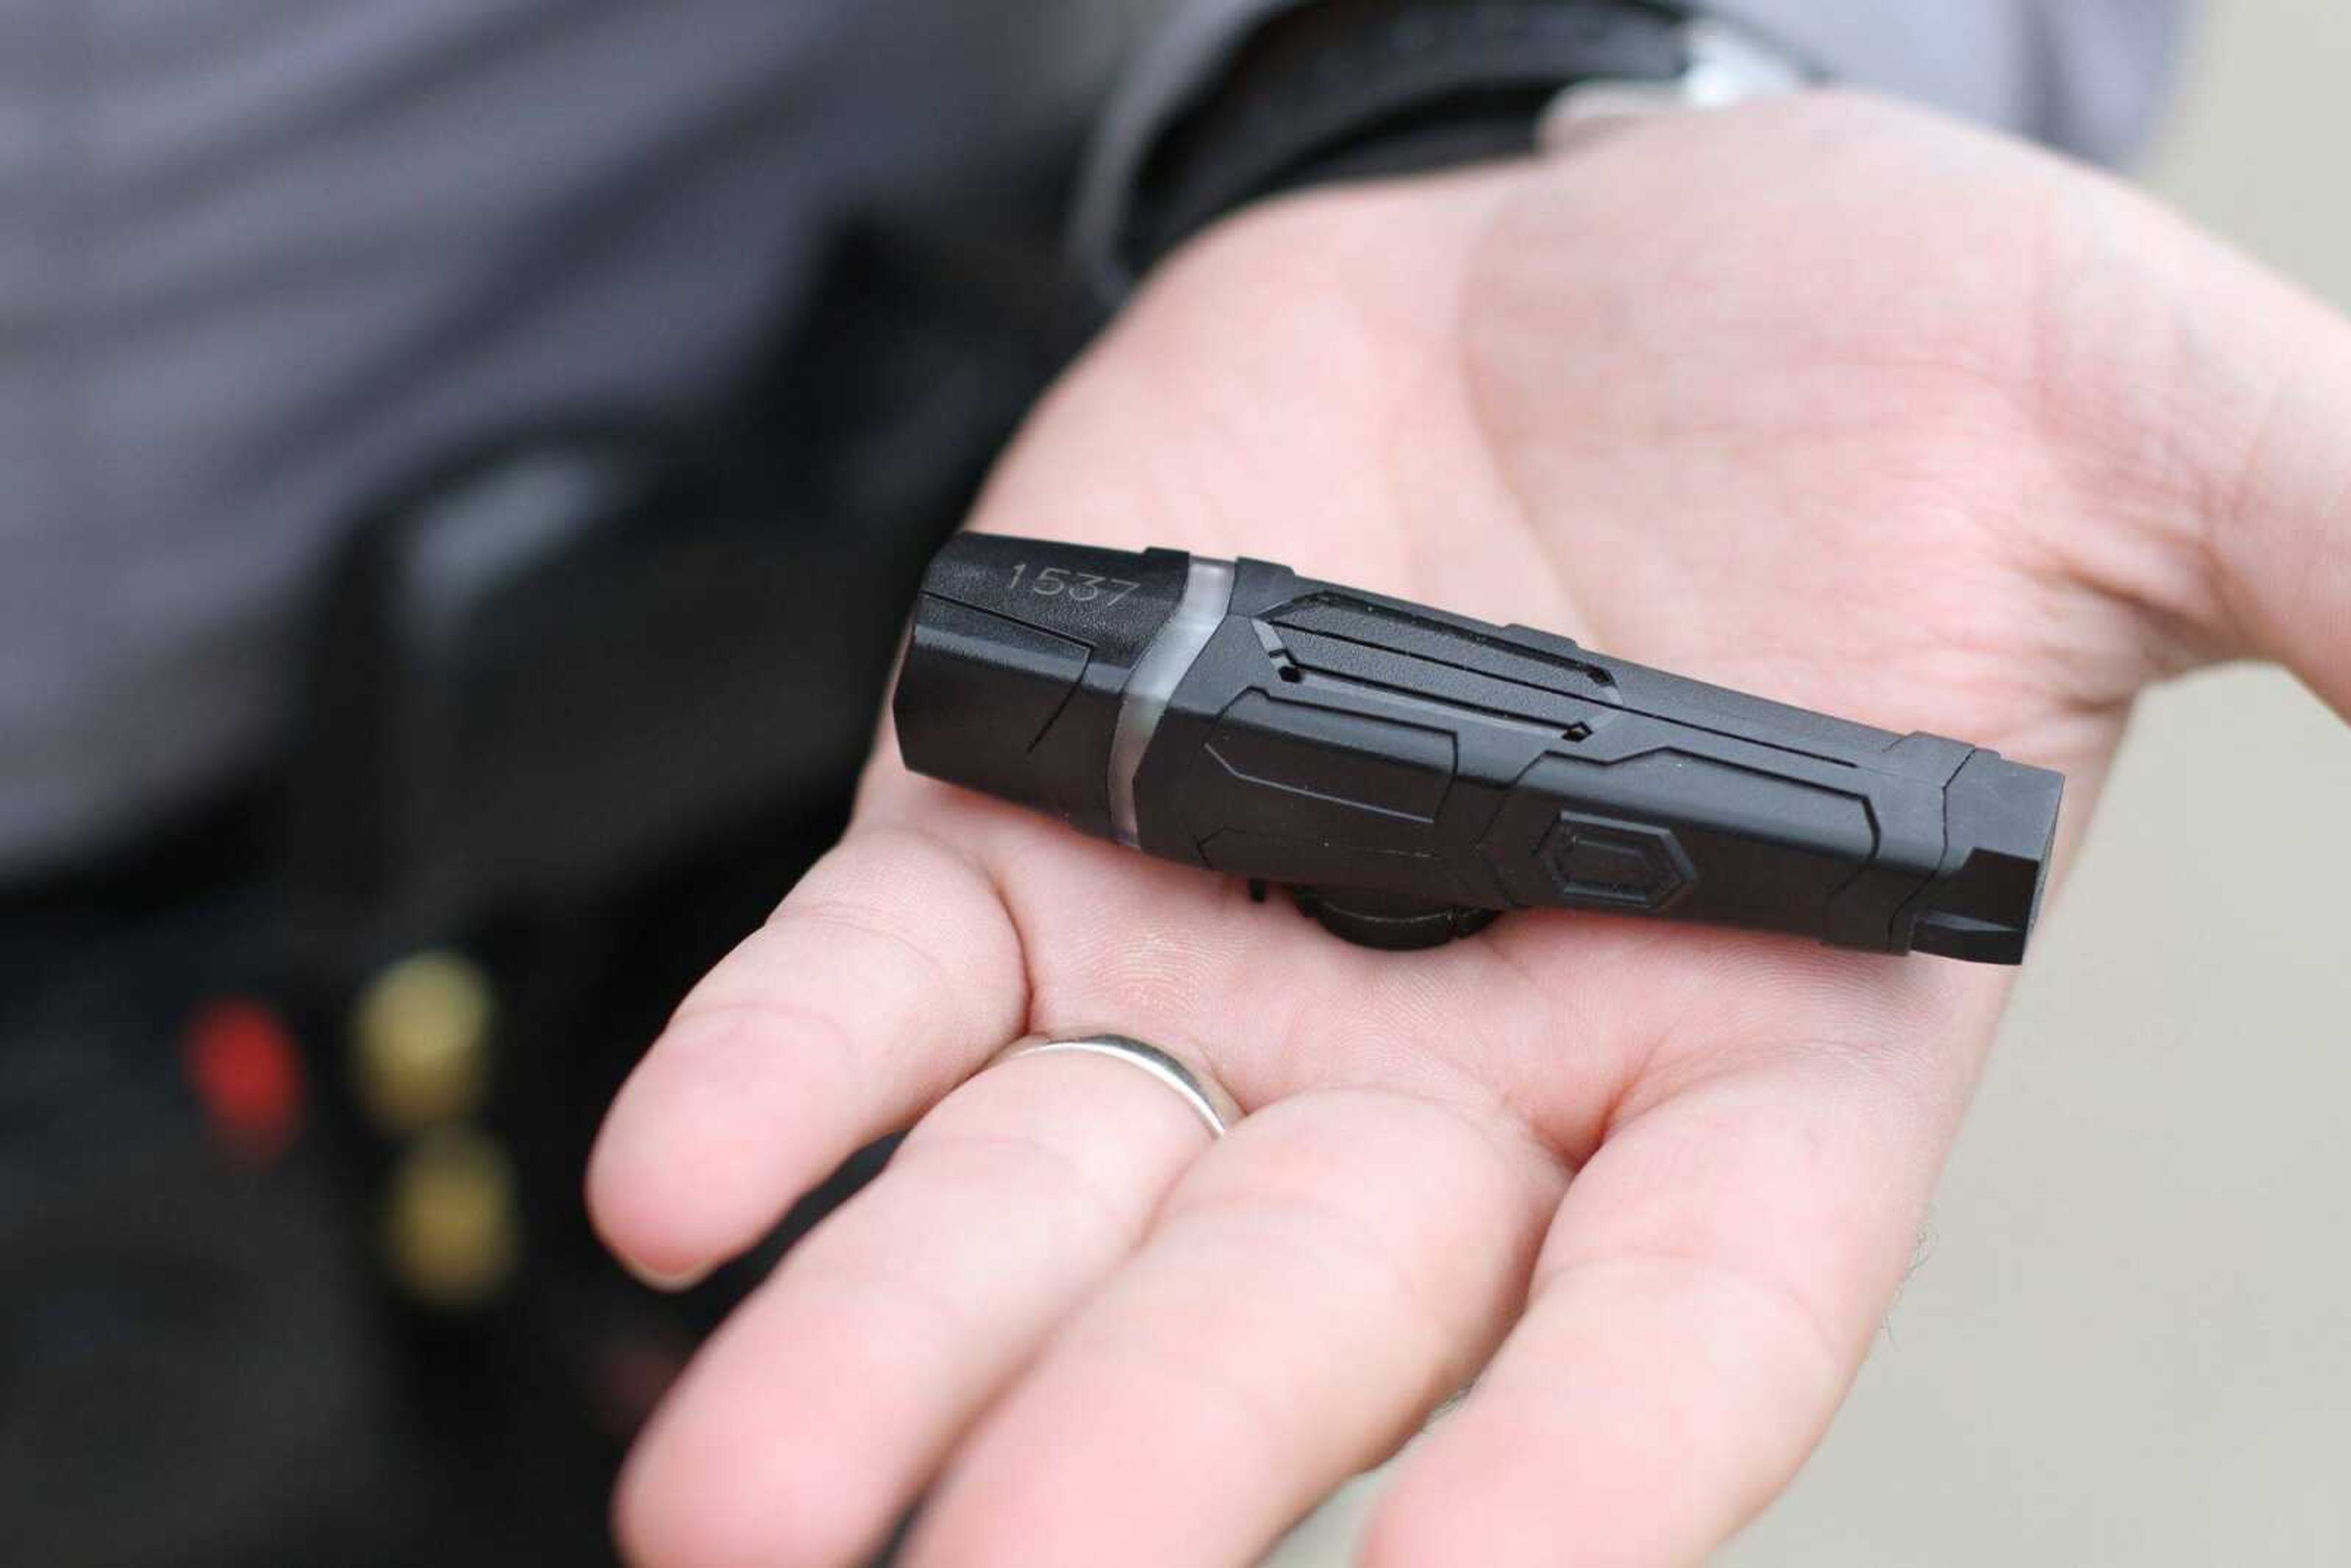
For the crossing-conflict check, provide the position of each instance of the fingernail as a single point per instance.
(668, 1284)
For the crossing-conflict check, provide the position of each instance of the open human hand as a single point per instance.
(1828, 400)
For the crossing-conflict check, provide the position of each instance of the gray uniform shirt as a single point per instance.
(260, 257)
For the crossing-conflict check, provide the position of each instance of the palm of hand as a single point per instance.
(1806, 441)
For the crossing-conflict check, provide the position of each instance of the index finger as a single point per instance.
(1708, 1292)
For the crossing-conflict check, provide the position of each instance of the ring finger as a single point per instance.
(811, 1421)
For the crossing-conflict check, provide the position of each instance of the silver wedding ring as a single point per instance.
(1204, 1094)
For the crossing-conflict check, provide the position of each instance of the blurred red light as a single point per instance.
(246, 1073)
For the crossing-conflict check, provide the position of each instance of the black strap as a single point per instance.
(1352, 89)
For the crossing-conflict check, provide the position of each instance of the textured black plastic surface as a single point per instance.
(1406, 767)
(1020, 654)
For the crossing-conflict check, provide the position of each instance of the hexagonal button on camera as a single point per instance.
(1602, 862)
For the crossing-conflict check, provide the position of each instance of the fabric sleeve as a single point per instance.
(2087, 76)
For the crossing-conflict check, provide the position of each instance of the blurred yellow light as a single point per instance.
(420, 1042)
(451, 1225)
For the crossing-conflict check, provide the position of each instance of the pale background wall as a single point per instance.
(2131, 1343)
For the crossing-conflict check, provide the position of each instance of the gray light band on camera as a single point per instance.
(1208, 595)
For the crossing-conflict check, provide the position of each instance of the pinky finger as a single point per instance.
(886, 977)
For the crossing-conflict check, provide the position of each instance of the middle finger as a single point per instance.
(1312, 1287)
